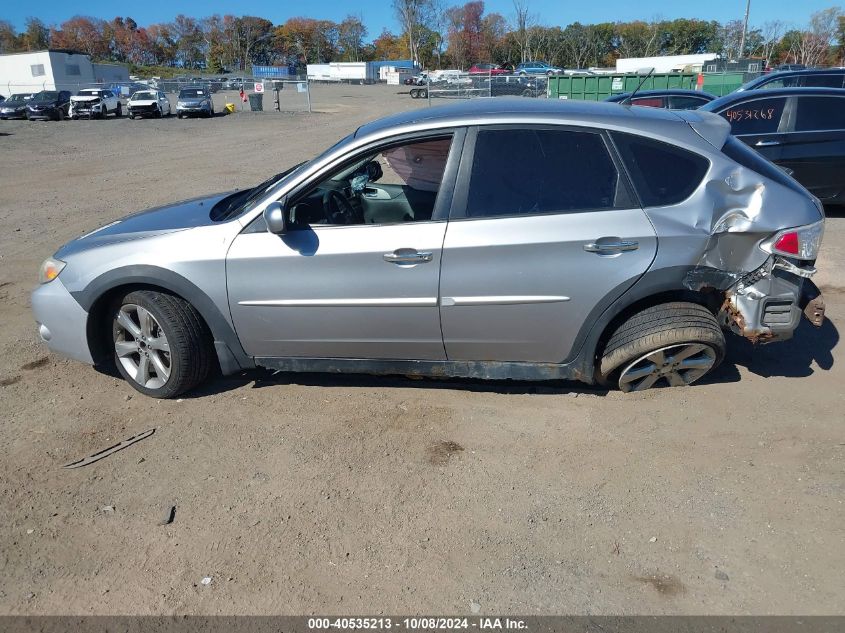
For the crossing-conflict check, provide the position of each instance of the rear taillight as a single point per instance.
(802, 242)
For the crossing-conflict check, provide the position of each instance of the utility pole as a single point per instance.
(744, 29)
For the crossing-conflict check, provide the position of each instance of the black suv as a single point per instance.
(816, 78)
(800, 129)
(49, 104)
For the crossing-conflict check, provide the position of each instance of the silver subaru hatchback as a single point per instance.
(496, 239)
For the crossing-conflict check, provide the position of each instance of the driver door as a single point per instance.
(355, 280)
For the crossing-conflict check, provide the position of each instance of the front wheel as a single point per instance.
(161, 346)
(671, 344)
(119, 112)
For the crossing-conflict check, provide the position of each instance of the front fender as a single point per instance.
(230, 353)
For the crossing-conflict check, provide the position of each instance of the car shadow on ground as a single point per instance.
(809, 350)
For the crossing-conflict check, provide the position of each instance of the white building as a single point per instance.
(664, 64)
(54, 70)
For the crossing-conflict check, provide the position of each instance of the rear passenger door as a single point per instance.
(760, 123)
(544, 233)
(814, 147)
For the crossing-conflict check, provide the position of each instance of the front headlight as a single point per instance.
(50, 269)
(180, 104)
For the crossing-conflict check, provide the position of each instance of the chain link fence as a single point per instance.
(461, 85)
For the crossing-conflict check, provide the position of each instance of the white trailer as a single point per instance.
(663, 64)
(351, 72)
(55, 70)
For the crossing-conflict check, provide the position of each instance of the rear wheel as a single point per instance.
(161, 347)
(671, 344)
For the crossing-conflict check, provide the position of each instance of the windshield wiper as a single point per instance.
(240, 200)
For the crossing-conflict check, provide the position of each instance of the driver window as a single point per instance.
(396, 184)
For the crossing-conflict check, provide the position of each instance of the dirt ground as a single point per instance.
(313, 494)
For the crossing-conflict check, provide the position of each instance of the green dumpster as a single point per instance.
(256, 102)
(600, 87)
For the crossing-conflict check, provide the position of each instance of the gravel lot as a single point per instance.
(307, 493)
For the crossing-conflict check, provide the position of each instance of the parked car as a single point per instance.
(800, 129)
(417, 80)
(554, 264)
(825, 78)
(15, 106)
(488, 69)
(235, 83)
(49, 104)
(95, 103)
(194, 100)
(537, 68)
(152, 103)
(516, 85)
(790, 67)
(672, 99)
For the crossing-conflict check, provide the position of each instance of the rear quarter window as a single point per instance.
(820, 113)
(662, 174)
(740, 153)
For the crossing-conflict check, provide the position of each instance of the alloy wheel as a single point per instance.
(676, 365)
(141, 346)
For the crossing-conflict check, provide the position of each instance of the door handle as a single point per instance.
(766, 143)
(406, 256)
(607, 247)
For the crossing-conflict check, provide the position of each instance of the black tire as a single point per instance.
(661, 326)
(423, 93)
(119, 111)
(190, 354)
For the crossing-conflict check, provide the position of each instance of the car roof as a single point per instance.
(678, 92)
(505, 110)
(734, 97)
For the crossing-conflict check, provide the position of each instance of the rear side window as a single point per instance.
(662, 174)
(537, 171)
(686, 103)
(758, 116)
(649, 102)
(740, 153)
(820, 113)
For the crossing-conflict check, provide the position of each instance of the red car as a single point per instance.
(488, 69)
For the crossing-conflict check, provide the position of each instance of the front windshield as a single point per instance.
(46, 95)
(18, 98)
(143, 95)
(191, 93)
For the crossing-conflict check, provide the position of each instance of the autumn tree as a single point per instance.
(350, 38)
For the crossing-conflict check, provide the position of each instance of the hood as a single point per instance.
(13, 105)
(193, 99)
(85, 98)
(43, 104)
(158, 221)
(144, 101)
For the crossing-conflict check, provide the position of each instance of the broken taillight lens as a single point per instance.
(802, 242)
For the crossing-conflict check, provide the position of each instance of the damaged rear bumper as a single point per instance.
(767, 305)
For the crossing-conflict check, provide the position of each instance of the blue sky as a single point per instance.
(377, 14)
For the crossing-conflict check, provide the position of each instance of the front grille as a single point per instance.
(777, 312)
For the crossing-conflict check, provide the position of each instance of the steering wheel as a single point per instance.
(337, 208)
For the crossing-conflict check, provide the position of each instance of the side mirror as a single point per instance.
(274, 218)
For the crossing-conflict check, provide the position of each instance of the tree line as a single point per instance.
(435, 35)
